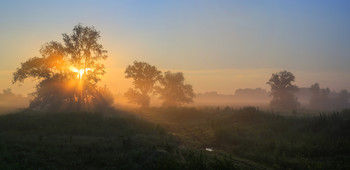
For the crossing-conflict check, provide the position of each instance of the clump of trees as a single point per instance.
(283, 91)
(148, 80)
(68, 73)
(322, 100)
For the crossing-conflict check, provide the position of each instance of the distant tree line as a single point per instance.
(321, 99)
(9, 99)
(284, 98)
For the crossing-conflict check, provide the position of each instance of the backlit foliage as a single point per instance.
(68, 72)
(144, 78)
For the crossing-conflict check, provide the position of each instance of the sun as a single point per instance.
(80, 72)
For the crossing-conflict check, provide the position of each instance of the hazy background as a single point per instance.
(219, 45)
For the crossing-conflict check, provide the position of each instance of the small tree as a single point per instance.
(144, 78)
(283, 91)
(320, 97)
(342, 100)
(173, 91)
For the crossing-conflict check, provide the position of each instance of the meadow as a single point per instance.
(175, 138)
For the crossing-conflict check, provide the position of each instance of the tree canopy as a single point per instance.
(144, 78)
(174, 91)
(283, 91)
(68, 72)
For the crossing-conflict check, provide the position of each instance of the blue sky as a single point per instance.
(235, 38)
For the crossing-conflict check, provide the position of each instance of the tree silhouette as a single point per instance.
(144, 78)
(319, 97)
(173, 91)
(342, 99)
(322, 99)
(68, 73)
(283, 91)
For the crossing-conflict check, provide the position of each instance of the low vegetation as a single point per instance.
(276, 141)
(30, 140)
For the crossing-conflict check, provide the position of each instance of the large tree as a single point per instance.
(67, 72)
(144, 78)
(282, 91)
(174, 91)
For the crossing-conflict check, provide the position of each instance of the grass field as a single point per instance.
(98, 141)
(175, 138)
(296, 141)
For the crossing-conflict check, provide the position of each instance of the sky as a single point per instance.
(219, 45)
